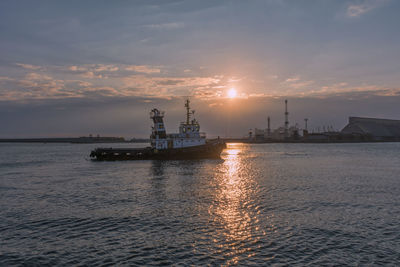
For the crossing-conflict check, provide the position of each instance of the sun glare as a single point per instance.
(232, 93)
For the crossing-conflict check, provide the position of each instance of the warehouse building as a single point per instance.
(376, 129)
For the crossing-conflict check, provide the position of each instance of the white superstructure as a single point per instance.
(189, 132)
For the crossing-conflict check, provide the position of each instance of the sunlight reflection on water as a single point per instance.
(235, 208)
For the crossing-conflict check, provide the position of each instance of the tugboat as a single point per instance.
(189, 143)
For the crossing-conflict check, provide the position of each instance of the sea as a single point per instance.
(260, 205)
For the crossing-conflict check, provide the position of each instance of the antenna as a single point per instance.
(187, 105)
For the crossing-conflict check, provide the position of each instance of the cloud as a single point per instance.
(301, 84)
(107, 91)
(293, 79)
(94, 68)
(297, 83)
(143, 69)
(92, 75)
(39, 86)
(37, 77)
(4, 78)
(115, 80)
(84, 84)
(97, 68)
(101, 67)
(89, 80)
(43, 86)
(347, 91)
(234, 80)
(28, 66)
(78, 83)
(168, 86)
(76, 68)
(356, 10)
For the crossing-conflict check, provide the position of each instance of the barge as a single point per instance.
(189, 143)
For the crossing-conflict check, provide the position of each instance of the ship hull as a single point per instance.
(206, 151)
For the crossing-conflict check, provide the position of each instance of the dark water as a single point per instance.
(283, 204)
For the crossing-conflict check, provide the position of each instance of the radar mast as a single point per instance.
(187, 105)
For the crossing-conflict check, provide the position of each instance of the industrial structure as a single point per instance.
(285, 132)
(286, 121)
(373, 128)
(357, 130)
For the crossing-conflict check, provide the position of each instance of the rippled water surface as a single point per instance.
(296, 204)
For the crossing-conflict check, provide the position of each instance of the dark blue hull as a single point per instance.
(208, 151)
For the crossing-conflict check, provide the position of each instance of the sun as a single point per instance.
(232, 93)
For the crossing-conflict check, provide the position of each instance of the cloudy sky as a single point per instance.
(71, 68)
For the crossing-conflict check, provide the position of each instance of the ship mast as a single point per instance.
(187, 111)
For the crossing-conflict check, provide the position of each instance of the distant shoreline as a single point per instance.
(74, 140)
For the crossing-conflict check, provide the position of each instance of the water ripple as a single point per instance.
(260, 205)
